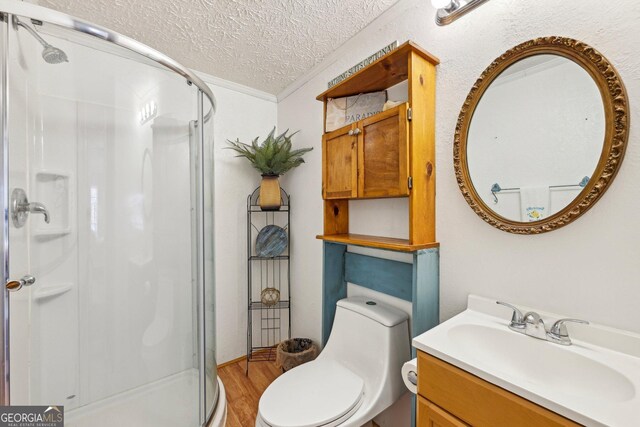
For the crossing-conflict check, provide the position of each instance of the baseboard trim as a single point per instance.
(241, 358)
(231, 362)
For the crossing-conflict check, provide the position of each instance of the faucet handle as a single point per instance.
(559, 328)
(517, 319)
(558, 332)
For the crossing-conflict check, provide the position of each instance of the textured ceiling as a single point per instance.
(265, 44)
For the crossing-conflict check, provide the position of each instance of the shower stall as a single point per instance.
(107, 258)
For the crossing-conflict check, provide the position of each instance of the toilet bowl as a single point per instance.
(356, 376)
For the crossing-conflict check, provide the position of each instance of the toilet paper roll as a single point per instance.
(410, 375)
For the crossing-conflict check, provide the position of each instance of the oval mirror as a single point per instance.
(541, 135)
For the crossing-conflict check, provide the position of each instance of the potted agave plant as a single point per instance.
(273, 157)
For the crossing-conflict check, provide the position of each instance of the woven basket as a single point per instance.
(295, 352)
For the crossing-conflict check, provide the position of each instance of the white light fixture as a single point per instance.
(450, 10)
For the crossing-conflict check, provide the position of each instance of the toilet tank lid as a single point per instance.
(374, 310)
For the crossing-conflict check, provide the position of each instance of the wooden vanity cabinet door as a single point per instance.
(383, 155)
(340, 164)
(478, 402)
(430, 415)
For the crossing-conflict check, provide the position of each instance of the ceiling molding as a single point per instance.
(237, 87)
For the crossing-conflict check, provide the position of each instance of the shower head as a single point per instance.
(51, 54)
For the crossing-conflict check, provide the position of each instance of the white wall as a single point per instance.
(241, 113)
(588, 269)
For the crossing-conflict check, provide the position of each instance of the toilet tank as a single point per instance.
(371, 339)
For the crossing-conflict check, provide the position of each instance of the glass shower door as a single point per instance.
(108, 316)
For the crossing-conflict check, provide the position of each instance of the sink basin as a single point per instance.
(595, 381)
(541, 363)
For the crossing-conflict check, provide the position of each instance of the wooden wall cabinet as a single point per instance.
(383, 154)
(390, 154)
(451, 397)
(368, 159)
(340, 164)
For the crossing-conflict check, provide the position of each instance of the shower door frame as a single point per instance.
(10, 8)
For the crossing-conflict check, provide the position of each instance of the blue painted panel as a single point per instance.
(426, 299)
(334, 286)
(383, 275)
(426, 291)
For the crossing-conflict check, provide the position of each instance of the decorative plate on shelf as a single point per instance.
(271, 241)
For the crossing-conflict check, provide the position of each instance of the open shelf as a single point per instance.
(265, 258)
(259, 305)
(267, 324)
(390, 243)
(387, 71)
(262, 354)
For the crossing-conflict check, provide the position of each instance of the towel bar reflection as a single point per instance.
(495, 188)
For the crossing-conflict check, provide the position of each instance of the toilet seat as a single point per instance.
(320, 393)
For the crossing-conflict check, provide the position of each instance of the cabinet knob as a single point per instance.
(357, 131)
(351, 132)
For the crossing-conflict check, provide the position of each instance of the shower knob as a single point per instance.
(16, 285)
(21, 208)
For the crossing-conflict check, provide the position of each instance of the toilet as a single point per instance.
(356, 376)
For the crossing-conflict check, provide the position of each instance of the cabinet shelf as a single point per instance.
(390, 243)
(387, 71)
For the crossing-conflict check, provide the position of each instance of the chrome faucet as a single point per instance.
(531, 324)
(534, 326)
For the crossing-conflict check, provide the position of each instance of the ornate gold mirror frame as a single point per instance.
(614, 98)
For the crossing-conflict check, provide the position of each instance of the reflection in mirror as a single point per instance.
(536, 137)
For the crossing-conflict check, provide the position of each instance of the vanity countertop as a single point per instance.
(595, 381)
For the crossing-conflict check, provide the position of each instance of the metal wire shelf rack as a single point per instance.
(267, 323)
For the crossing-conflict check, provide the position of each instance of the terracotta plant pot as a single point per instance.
(270, 193)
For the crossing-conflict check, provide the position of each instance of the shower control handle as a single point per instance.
(16, 285)
(21, 208)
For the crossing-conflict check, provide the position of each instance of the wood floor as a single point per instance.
(243, 393)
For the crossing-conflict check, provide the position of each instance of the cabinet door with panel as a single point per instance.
(430, 415)
(340, 164)
(383, 154)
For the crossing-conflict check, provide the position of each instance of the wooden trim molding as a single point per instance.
(616, 108)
